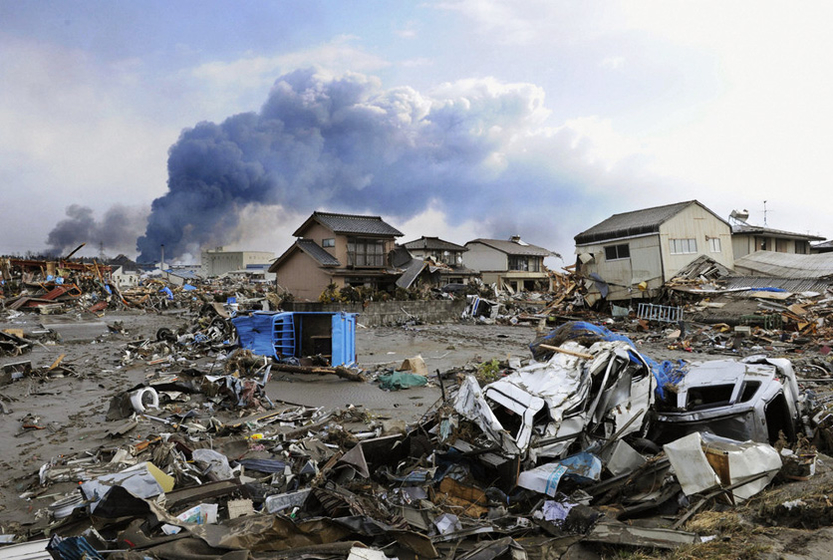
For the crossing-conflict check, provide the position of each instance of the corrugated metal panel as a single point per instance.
(787, 265)
(795, 285)
(34, 550)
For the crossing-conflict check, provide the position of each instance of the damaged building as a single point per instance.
(632, 254)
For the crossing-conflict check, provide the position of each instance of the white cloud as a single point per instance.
(255, 74)
(417, 62)
(613, 62)
(72, 132)
(434, 222)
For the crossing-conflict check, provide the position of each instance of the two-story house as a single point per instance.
(340, 249)
(443, 259)
(632, 254)
(511, 263)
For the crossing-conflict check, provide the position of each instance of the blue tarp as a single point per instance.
(770, 289)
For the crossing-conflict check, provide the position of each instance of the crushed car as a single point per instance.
(752, 399)
(575, 396)
(589, 388)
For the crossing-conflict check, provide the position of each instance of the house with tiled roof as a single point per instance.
(340, 249)
(632, 254)
(510, 264)
(748, 239)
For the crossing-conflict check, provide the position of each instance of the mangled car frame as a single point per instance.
(589, 388)
(542, 409)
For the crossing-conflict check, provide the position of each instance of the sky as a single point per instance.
(198, 124)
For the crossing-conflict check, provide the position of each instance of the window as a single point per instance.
(683, 246)
(518, 263)
(714, 244)
(366, 252)
(801, 247)
(781, 245)
(616, 252)
(524, 264)
(330, 242)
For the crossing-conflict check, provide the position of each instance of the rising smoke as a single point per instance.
(115, 232)
(346, 144)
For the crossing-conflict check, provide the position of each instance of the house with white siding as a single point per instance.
(632, 254)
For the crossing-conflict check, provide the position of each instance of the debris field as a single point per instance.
(205, 422)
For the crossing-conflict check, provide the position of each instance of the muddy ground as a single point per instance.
(62, 412)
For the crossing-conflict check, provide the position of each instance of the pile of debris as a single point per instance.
(572, 448)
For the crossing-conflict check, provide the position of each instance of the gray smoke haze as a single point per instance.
(345, 144)
(116, 231)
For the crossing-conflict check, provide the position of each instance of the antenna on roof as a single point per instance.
(764, 213)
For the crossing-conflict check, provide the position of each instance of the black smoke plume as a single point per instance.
(116, 231)
(344, 144)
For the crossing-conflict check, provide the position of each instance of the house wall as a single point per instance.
(744, 244)
(644, 265)
(302, 277)
(695, 222)
(485, 259)
(319, 233)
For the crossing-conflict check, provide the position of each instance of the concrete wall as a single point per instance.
(378, 313)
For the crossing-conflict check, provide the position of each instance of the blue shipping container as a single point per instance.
(298, 334)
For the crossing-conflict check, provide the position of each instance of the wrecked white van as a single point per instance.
(540, 410)
(755, 399)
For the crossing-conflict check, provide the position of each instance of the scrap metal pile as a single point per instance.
(571, 449)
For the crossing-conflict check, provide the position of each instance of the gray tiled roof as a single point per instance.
(739, 229)
(312, 248)
(433, 243)
(627, 224)
(512, 248)
(354, 224)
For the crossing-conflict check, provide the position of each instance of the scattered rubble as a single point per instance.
(596, 435)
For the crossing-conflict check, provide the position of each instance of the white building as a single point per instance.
(631, 255)
(218, 261)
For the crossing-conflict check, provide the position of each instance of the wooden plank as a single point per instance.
(565, 351)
